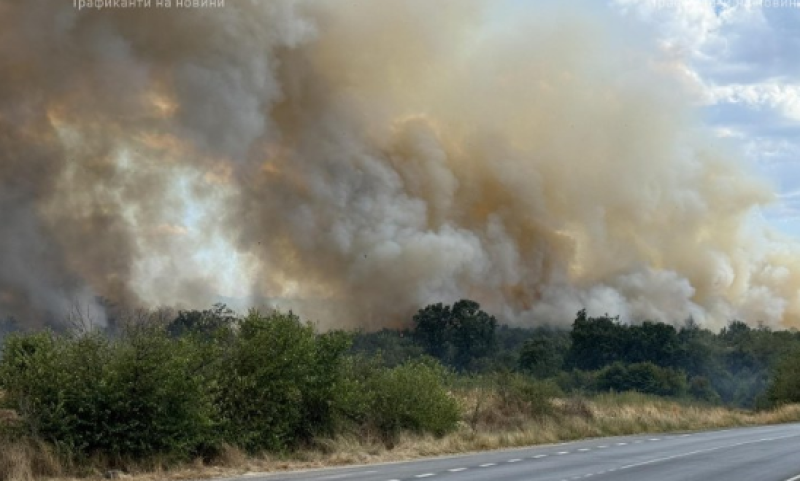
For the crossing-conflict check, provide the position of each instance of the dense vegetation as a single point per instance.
(734, 366)
(190, 384)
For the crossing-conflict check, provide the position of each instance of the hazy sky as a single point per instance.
(740, 59)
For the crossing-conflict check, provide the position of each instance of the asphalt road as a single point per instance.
(770, 453)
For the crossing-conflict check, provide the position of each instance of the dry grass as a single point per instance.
(27, 461)
(489, 423)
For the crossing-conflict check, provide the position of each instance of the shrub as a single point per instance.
(412, 397)
(526, 395)
(85, 394)
(643, 377)
(276, 382)
(785, 385)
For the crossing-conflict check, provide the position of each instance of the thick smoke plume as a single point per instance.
(357, 160)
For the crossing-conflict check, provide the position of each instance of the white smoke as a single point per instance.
(359, 160)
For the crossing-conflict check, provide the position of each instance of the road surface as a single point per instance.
(770, 453)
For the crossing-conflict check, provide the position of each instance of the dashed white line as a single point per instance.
(638, 441)
(602, 447)
(583, 450)
(456, 470)
(425, 475)
(622, 444)
(691, 453)
(539, 456)
(654, 439)
(514, 460)
(487, 465)
(561, 453)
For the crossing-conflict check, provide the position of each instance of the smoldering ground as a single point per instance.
(357, 160)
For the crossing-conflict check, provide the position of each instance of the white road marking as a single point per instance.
(487, 465)
(583, 450)
(514, 460)
(639, 441)
(796, 478)
(708, 450)
(602, 447)
(561, 453)
(539, 456)
(622, 444)
(426, 475)
(456, 470)
(654, 439)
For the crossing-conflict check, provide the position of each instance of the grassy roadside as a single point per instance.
(489, 421)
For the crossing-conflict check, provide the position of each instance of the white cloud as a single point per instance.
(741, 60)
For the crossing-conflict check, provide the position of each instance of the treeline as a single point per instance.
(188, 385)
(735, 366)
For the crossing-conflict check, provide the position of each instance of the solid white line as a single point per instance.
(456, 470)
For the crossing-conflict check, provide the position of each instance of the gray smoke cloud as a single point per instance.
(357, 160)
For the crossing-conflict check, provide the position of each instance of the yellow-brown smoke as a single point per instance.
(357, 160)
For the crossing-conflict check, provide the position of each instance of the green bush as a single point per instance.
(643, 377)
(785, 385)
(700, 388)
(412, 396)
(276, 382)
(133, 397)
(524, 394)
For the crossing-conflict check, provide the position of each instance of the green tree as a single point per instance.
(596, 342)
(542, 356)
(457, 335)
(784, 387)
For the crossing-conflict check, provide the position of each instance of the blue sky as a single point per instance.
(740, 60)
